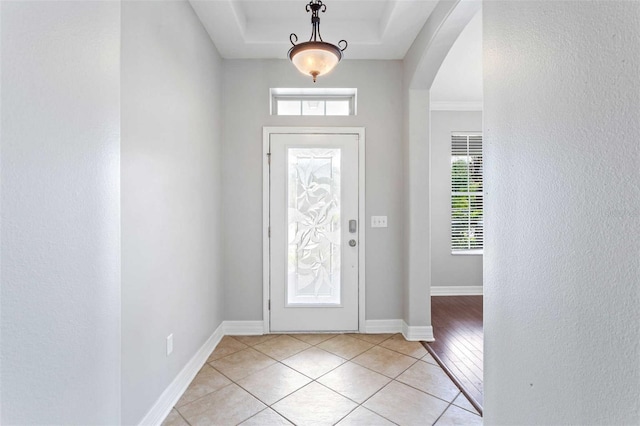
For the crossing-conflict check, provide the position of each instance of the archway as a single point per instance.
(421, 64)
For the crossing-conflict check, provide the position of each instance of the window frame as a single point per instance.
(310, 94)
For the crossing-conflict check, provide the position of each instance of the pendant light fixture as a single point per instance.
(315, 57)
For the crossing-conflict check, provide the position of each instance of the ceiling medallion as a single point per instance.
(315, 57)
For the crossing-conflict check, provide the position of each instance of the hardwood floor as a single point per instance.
(457, 327)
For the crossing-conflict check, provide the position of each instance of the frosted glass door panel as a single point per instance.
(313, 273)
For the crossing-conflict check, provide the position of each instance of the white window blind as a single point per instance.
(466, 193)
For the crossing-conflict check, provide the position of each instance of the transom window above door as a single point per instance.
(312, 101)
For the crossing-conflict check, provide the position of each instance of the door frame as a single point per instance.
(266, 200)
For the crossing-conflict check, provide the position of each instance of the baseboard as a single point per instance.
(383, 326)
(417, 333)
(243, 328)
(424, 333)
(454, 290)
(174, 391)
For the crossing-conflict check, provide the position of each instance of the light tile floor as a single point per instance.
(321, 379)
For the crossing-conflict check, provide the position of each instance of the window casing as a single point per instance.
(467, 233)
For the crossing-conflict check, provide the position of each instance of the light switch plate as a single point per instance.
(378, 221)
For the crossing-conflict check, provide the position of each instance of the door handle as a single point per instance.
(352, 243)
(353, 226)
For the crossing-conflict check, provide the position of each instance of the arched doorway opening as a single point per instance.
(424, 185)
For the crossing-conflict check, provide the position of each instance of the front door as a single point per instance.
(313, 219)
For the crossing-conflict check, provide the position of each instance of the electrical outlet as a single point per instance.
(378, 221)
(169, 344)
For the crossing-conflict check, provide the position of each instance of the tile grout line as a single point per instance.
(346, 360)
(249, 418)
(358, 405)
(246, 390)
(270, 406)
(379, 390)
(326, 340)
(312, 380)
(442, 414)
(371, 396)
(425, 392)
(203, 396)
(395, 379)
(180, 414)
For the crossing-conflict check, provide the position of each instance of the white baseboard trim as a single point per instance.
(453, 290)
(243, 328)
(174, 391)
(399, 326)
(383, 326)
(415, 333)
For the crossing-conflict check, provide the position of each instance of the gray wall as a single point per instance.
(246, 100)
(448, 269)
(171, 196)
(60, 223)
(417, 209)
(562, 263)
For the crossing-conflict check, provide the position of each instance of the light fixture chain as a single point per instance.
(315, 6)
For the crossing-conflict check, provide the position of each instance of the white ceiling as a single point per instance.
(460, 76)
(374, 29)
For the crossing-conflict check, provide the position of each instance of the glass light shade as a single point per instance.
(315, 58)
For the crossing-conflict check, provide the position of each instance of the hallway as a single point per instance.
(366, 379)
(133, 188)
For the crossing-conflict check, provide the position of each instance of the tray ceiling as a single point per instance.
(374, 29)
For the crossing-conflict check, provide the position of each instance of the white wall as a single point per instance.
(459, 78)
(171, 196)
(448, 269)
(246, 100)
(562, 257)
(60, 213)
